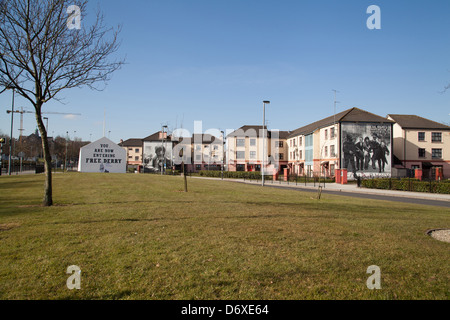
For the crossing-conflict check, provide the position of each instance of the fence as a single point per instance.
(408, 184)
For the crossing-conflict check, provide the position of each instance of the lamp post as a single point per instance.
(223, 150)
(264, 142)
(163, 166)
(11, 137)
(67, 142)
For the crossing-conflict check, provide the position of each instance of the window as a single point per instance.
(421, 136)
(301, 155)
(436, 137)
(326, 134)
(136, 158)
(326, 152)
(130, 149)
(240, 154)
(130, 157)
(136, 150)
(198, 147)
(198, 167)
(414, 167)
(240, 143)
(436, 153)
(198, 157)
(280, 144)
(300, 141)
(290, 155)
(332, 133)
(332, 151)
(421, 153)
(332, 169)
(252, 154)
(216, 147)
(252, 142)
(240, 167)
(280, 156)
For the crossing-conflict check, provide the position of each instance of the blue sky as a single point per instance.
(217, 60)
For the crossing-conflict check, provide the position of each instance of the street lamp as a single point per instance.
(67, 142)
(264, 140)
(11, 137)
(223, 150)
(163, 148)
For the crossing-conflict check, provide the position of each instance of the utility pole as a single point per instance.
(264, 141)
(223, 150)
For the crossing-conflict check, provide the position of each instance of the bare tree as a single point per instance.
(41, 54)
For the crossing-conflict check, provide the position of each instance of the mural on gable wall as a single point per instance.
(156, 155)
(366, 149)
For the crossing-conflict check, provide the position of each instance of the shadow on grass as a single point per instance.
(119, 220)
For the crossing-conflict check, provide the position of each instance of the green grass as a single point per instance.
(138, 237)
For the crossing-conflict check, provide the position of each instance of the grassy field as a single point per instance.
(140, 237)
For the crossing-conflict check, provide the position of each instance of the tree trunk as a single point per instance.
(48, 198)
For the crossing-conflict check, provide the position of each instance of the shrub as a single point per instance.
(406, 184)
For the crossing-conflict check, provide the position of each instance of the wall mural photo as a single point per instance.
(366, 149)
(156, 156)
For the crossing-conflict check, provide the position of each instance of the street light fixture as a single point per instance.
(264, 140)
(223, 150)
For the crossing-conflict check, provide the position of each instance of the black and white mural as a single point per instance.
(157, 155)
(366, 149)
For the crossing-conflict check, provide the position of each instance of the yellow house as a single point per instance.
(420, 143)
(133, 147)
(245, 149)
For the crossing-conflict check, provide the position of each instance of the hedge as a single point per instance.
(408, 185)
(233, 174)
(254, 175)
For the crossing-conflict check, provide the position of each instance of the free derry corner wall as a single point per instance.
(103, 156)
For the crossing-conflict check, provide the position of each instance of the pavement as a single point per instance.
(353, 190)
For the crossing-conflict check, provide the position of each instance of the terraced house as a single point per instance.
(422, 144)
(245, 149)
(354, 139)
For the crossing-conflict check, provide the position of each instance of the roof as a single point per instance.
(407, 121)
(131, 143)
(250, 130)
(156, 137)
(350, 115)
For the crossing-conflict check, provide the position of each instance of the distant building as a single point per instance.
(420, 143)
(134, 148)
(207, 153)
(354, 139)
(245, 149)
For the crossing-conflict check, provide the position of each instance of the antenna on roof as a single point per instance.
(335, 102)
